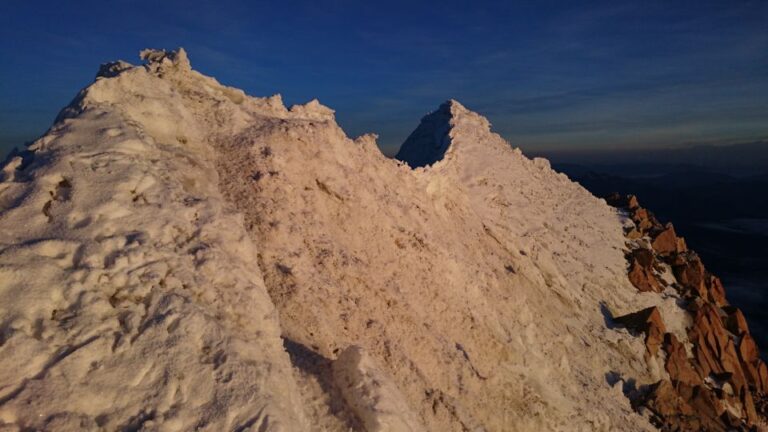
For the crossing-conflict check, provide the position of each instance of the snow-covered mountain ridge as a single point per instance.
(177, 255)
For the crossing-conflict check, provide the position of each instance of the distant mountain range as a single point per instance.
(680, 192)
(736, 160)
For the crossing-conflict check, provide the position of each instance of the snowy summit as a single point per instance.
(177, 255)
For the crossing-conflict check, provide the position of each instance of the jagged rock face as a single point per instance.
(696, 411)
(717, 384)
(677, 364)
(666, 242)
(646, 321)
(642, 268)
(736, 323)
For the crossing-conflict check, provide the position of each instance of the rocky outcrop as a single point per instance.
(695, 280)
(642, 270)
(647, 321)
(666, 242)
(719, 382)
(677, 365)
(684, 408)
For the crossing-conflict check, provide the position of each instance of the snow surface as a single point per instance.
(177, 255)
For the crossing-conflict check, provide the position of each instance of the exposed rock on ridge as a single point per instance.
(714, 384)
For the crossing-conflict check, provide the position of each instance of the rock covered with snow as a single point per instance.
(178, 255)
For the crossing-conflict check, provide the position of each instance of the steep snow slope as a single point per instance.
(176, 255)
(126, 292)
(477, 283)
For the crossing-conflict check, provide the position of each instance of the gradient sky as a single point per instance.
(549, 75)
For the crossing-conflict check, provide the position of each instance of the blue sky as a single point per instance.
(549, 75)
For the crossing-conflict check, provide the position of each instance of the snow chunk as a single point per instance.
(313, 110)
(162, 58)
(113, 69)
(371, 394)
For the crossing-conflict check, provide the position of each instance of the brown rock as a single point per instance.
(665, 241)
(704, 362)
(641, 271)
(735, 322)
(761, 404)
(633, 234)
(716, 353)
(696, 280)
(723, 349)
(753, 379)
(718, 338)
(690, 273)
(750, 372)
(706, 404)
(642, 218)
(709, 339)
(762, 373)
(644, 257)
(715, 290)
(729, 361)
(643, 279)
(750, 362)
(677, 365)
(632, 203)
(730, 420)
(748, 404)
(649, 322)
(698, 413)
(748, 349)
(622, 201)
(664, 401)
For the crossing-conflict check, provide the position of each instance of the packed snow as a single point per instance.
(177, 255)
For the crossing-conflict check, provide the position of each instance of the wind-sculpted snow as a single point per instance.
(177, 255)
(429, 142)
(127, 292)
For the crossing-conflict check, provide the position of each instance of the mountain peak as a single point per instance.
(431, 140)
(452, 106)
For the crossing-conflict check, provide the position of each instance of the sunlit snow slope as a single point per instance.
(176, 255)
